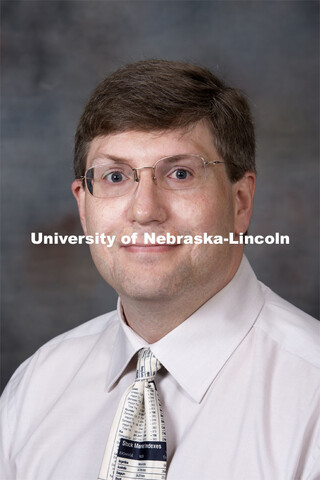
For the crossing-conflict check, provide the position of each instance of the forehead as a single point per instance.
(143, 148)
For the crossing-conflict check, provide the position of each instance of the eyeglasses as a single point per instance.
(179, 172)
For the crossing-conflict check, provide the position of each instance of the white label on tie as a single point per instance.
(145, 460)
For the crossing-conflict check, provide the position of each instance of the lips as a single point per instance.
(148, 249)
(146, 245)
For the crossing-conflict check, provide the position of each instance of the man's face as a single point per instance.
(149, 273)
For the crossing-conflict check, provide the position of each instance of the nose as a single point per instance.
(148, 202)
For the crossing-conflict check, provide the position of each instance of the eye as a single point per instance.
(114, 177)
(180, 174)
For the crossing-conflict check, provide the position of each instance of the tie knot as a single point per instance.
(147, 365)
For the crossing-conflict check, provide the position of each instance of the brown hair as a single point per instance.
(162, 95)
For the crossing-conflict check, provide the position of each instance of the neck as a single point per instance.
(152, 319)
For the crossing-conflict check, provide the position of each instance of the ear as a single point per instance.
(79, 193)
(243, 201)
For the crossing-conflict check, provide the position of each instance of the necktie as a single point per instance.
(136, 446)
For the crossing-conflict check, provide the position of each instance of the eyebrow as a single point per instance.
(102, 157)
(107, 156)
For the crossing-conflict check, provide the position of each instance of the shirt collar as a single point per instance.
(127, 344)
(217, 328)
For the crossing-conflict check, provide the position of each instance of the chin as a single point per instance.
(155, 287)
(143, 293)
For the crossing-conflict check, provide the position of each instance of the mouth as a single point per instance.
(147, 249)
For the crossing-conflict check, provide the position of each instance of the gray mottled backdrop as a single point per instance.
(54, 53)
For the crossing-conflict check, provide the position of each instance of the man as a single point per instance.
(166, 148)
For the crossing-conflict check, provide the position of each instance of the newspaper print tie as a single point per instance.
(136, 446)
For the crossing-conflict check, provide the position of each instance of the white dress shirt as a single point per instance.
(239, 390)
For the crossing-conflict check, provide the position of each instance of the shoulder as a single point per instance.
(58, 360)
(293, 330)
(80, 339)
(84, 331)
(71, 362)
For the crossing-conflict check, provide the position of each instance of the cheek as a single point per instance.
(102, 216)
(205, 213)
